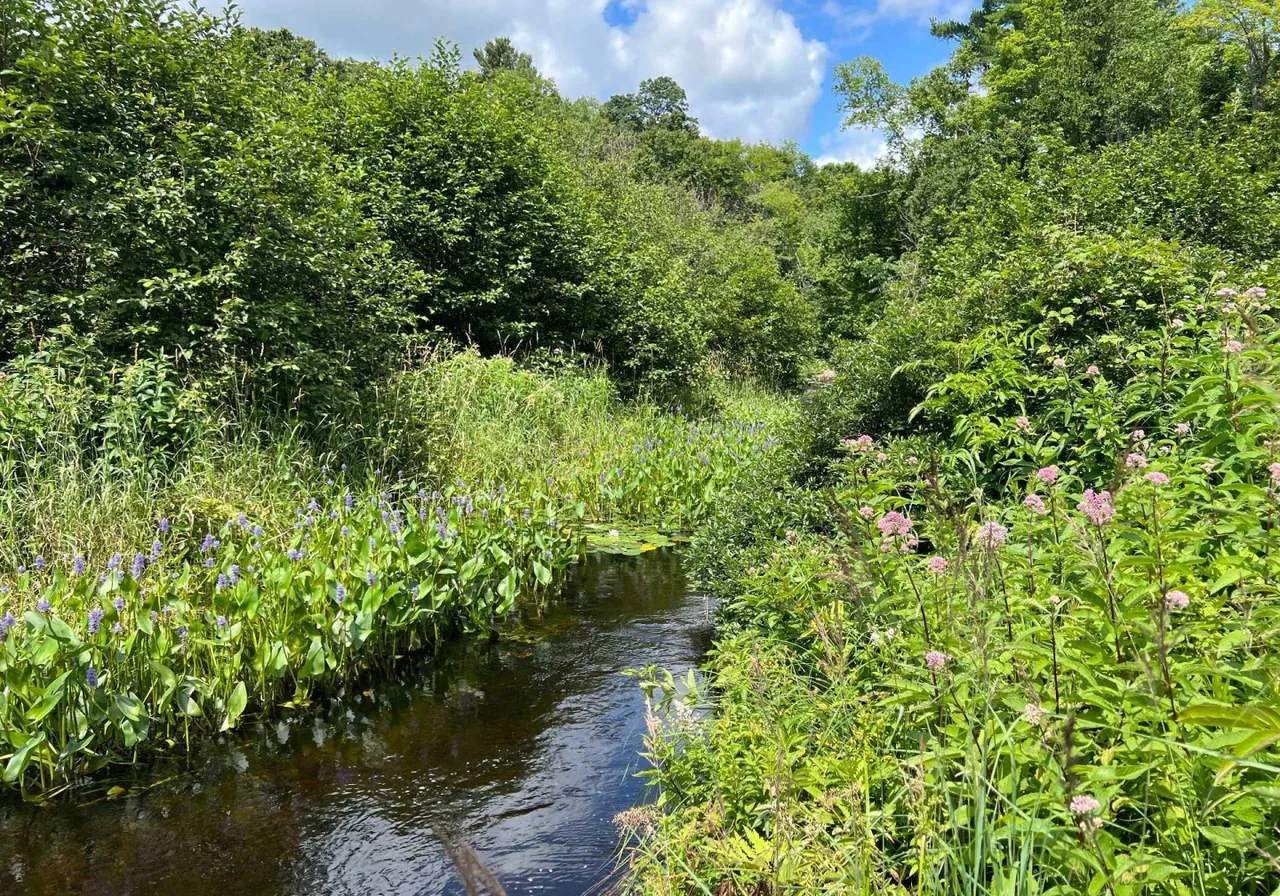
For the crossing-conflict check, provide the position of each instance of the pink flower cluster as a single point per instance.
(937, 565)
(1049, 475)
(1097, 507)
(1155, 477)
(866, 512)
(861, 443)
(1023, 424)
(1036, 503)
(894, 523)
(936, 660)
(1234, 347)
(1093, 370)
(1274, 469)
(1176, 600)
(1182, 429)
(992, 535)
(1135, 461)
(1059, 364)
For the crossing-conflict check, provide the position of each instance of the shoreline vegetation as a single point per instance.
(979, 449)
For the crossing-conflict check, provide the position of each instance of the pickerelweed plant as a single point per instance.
(142, 639)
(1038, 660)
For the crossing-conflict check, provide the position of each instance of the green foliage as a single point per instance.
(1037, 660)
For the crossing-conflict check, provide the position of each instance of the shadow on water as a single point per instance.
(523, 749)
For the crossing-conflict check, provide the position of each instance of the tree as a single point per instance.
(660, 103)
(1252, 25)
(500, 54)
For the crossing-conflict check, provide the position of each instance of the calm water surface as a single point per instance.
(523, 750)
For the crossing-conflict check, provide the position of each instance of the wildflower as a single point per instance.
(1137, 435)
(1274, 469)
(1023, 423)
(642, 820)
(1049, 475)
(222, 622)
(1157, 478)
(164, 524)
(208, 544)
(1182, 429)
(1135, 461)
(95, 620)
(1036, 504)
(114, 562)
(91, 677)
(884, 637)
(117, 627)
(936, 660)
(894, 523)
(182, 639)
(881, 457)
(339, 594)
(1059, 364)
(77, 565)
(1034, 714)
(1233, 347)
(7, 622)
(1097, 507)
(1178, 323)
(139, 564)
(992, 535)
(43, 605)
(1093, 370)
(156, 548)
(1255, 292)
(1176, 600)
(1083, 805)
(1209, 465)
(154, 616)
(38, 563)
(613, 533)
(866, 512)
(371, 577)
(346, 531)
(295, 554)
(1226, 292)
(118, 603)
(937, 565)
(210, 563)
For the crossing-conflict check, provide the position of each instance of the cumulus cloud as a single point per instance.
(746, 66)
(862, 146)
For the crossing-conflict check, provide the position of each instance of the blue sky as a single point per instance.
(755, 69)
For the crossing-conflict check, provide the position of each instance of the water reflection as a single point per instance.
(525, 750)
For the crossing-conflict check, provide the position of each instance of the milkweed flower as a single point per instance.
(1083, 805)
(894, 523)
(992, 535)
(1097, 507)
(1157, 478)
(1176, 600)
(936, 660)
(937, 565)
(1048, 475)
(1036, 504)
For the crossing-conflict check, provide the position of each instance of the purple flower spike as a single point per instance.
(95, 620)
(91, 677)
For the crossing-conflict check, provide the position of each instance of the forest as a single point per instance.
(311, 364)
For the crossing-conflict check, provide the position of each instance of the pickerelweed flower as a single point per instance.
(936, 660)
(43, 605)
(1093, 370)
(992, 535)
(1176, 600)
(371, 577)
(222, 581)
(139, 564)
(118, 603)
(114, 563)
(295, 554)
(1182, 429)
(339, 594)
(95, 620)
(38, 563)
(1049, 475)
(164, 524)
(78, 565)
(209, 543)
(937, 565)
(1155, 477)
(156, 549)
(91, 677)
(222, 622)
(894, 523)
(1135, 461)
(1097, 507)
(1036, 504)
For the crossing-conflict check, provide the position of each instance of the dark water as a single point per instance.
(523, 750)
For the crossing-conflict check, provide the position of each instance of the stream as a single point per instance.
(524, 750)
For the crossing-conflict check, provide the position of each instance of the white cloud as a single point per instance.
(919, 11)
(862, 146)
(748, 70)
